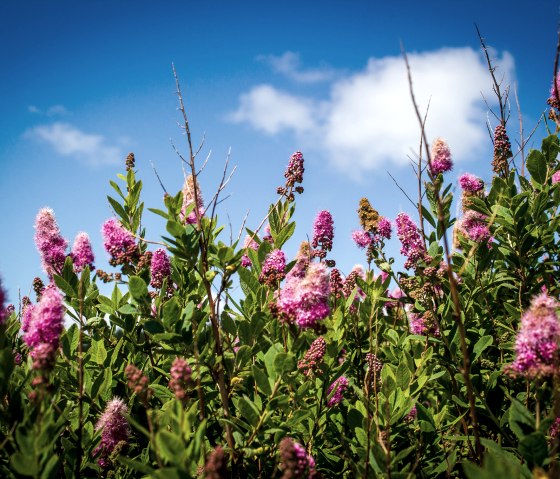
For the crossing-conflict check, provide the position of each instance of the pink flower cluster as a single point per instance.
(306, 300)
(248, 243)
(470, 183)
(274, 268)
(474, 225)
(365, 239)
(119, 242)
(323, 233)
(295, 462)
(180, 378)
(49, 241)
(190, 189)
(82, 253)
(441, 157)
(337, 389)
(536, 345)
(44, 321)
(114, 430)
(160, 268)
(295, 169)
(556, 177)
(412, 245)
(314, 356)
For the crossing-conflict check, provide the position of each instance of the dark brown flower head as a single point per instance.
(369, 217)
(129, 161)
(38, 287)
(502, 151)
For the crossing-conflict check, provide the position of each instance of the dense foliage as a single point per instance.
(449, 368)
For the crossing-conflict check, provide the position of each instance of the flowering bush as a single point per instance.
(311, 373)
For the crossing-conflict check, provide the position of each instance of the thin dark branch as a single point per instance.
(157, 176)
(403, 192)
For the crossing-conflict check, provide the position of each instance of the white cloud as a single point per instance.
(67, 140)
(53, 110)
(289, 64)
(368, 121)
(271, 111)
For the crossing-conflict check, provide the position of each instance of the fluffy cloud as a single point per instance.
(270, 110)
(368, 121)
(289, 64)
(67, 140)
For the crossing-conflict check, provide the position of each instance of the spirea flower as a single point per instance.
(411, 416)
(118, 242)
(314, 356)
(137, 381)
(216, 465)
(114, 430)
(294, 460)
(82, 253)
(470, 183)
(417, 324)
(191, 189)
(294, 176)
(160, 268)
(554, 429)
(536, 345)
(274, 268)
(474, 225)
(368, 216)
(336, 283)
(323, 232)
(249, 243)
(441, 157)
(336, 391)
(556, 177)
(306, 299)
(412, 245)
(502, 150)
(384, 228)
(43, 356)
(3, 311)
(180, 378)
(361, 238)
(350, 282)
(26, 316)
(50, 243)
(46, 323)
(553, 100)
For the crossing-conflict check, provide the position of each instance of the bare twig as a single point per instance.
(159, 179)
(400, 188)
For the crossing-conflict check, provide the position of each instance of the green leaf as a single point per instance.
(403, 375)
(262, 380)
(138, 288)
(65, 286)
(534, 448)
(248, 280)
(24, 464)
(284, 363)
(170, 446)
(249, 412)
(536, 164)
(481, 345)
(171, 312)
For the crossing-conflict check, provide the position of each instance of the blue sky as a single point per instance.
(84, 84)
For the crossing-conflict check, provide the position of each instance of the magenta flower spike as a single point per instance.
(118, 242)
(160, 268)
(294, 460)
(82, 252)
(180, 378)
(536, 345)
(50, 243)
(323, 231)
(274, 268)
(114, 430)
(441, 157)
(337, 389)
(47, 320)
(361, 238)
(470, 183)
(412, 245)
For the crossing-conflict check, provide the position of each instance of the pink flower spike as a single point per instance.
(441, 157)
(82, 253)
(119, 242)
(114, 430)
(160, 268)
(470, 183)
(361, 238)
(49, 241)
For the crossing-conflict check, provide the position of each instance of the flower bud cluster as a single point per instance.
(180, 378)
(273, 269)
(313, 357)
(160, 268)
(294, 460)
